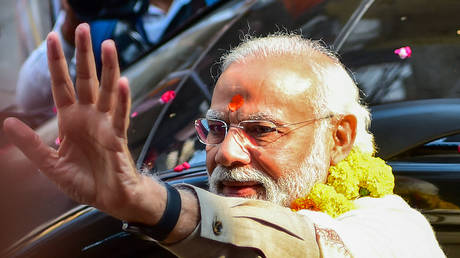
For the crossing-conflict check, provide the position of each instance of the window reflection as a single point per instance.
(428, 175)
(422, 194)
(174, 141)
(385, 74)
(145, 111)
(445, 150)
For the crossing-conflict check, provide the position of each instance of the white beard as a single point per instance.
(290, 186)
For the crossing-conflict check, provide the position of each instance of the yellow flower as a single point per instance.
(359, 174)
(328, 200)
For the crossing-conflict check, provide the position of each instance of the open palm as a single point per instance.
(93, 164)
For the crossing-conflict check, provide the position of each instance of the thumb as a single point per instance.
(21, 135)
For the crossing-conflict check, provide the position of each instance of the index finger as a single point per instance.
(62, 86)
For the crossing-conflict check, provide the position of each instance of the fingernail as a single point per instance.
(83, 25)
(51, 45)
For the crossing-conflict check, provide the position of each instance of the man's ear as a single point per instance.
(343, 137)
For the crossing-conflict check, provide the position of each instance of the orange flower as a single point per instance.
(304, 203)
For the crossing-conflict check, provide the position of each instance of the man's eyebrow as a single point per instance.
(262, 116)
(213, 114)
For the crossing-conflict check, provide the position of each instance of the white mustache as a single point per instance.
(270, 189)
(238, 174)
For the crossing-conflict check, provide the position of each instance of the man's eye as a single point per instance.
(216, 128)
(259, 130)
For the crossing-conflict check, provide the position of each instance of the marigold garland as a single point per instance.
(358, 175)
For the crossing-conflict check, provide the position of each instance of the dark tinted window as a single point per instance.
(428, 176)
(377, 50)
(179, 17)
(410, 50)
(318, 20)
(146, 111)
(173, 139)
(443, 150)
(428, 193)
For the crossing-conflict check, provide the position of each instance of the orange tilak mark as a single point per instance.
(236, 103)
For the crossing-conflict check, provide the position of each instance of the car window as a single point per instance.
(180, 52)
(317, 20)
(428, 194)
(173, 141)
(427, 176)
(410, 50)
(406, 50)
(180, 16)
(443, 150)
(145, 112)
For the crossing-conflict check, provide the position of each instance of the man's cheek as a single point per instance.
(210, 159)
(267, 164)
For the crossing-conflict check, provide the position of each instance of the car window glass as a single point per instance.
(174, 141)
(317, 20)
(406, 50)
(180, 52)
(443, 150)
(147, 109)
(428, 193)
(427, 176)
(135, 42)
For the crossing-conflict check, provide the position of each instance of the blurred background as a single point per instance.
(16, 43)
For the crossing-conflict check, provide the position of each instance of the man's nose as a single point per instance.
(233, 150)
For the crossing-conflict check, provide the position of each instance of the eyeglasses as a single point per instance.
(261, 132)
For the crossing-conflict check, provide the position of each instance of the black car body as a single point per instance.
(414, 99)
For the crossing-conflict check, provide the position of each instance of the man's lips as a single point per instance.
(240, 189)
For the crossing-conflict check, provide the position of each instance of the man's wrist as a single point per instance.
(161, 230)
(152, 203)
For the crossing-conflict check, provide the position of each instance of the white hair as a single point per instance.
(336, 93)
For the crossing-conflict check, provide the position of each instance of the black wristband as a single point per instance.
(167, 222)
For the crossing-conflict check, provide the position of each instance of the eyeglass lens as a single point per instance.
(214, 131)
(210, 131)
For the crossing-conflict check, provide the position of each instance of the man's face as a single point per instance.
(277, 91)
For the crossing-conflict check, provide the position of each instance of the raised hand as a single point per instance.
(93, 164)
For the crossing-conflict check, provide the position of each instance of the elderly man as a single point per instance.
(284, 116)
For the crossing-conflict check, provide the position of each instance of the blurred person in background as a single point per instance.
(134, 25)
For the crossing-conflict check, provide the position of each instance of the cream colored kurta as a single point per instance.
(236, 227)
